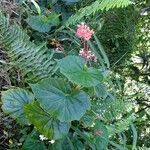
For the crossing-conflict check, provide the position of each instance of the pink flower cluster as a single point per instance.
(83, 31)
(88, 55)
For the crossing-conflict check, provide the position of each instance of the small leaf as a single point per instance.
(87, 120)
(102, 51)
(36, 6)
(45, 123)
(100, 137)
(74, 68)
(57, 98)
(13, 102)
(101, 91)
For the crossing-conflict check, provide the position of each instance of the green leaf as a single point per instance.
(43, 23)
(121, 125)
(32, 142)
(102, 51)
(68, 143)
(87, 120)
(135, 137)
(13, 102)
(78, 145)
(86, 136)
(74, 68)
(119, 147)
(100, 137)
(58, 145)
(99, 57)
(36, 6)
(101, 91)
(45, 123)
(57, 98)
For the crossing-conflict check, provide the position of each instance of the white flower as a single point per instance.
(52, 141)
(42, 137)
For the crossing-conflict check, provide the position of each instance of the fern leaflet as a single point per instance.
(96, 6)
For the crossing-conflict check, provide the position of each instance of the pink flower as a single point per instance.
(83, 31)
(87, 55)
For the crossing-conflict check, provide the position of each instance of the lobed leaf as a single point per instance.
(45, 123)
(13, 102)
(75, 69)
(57, 98)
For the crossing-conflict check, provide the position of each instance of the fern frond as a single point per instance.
(96, 6)
(32, 60)
(109, 4)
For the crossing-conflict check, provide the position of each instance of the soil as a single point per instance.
(6, 123)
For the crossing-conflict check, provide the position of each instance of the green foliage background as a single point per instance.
(123, 103)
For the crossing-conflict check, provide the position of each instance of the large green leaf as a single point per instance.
(13, 102)
(43, 23)
(57, 98)
(100, 137)
(75, 69)
(45, 123)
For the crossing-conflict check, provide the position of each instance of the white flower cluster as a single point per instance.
(43, 138)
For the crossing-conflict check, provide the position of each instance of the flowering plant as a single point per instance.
(84, 32)
(54, 105)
